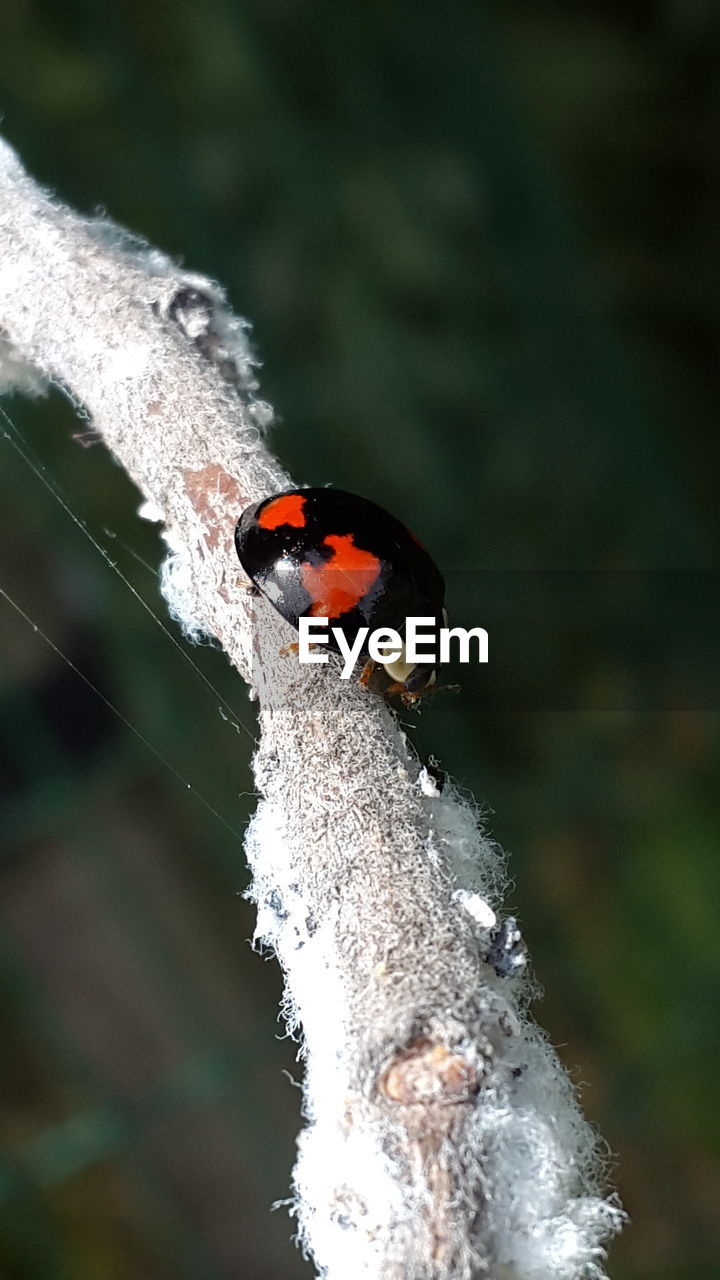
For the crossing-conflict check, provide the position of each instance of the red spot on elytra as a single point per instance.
(287, 509)
(340, 583)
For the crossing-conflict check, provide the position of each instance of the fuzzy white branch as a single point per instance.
(443, 1138)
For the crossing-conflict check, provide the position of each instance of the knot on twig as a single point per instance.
(428, 1072)
(196, 313)
(199, 310)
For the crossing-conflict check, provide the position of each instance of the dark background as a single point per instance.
(479, 248)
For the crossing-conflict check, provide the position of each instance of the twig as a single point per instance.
(443, 1138)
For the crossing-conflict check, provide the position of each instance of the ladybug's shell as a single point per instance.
(329, 554)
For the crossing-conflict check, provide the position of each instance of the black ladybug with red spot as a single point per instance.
(325, 553)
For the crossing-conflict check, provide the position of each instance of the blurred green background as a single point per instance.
(479, 248)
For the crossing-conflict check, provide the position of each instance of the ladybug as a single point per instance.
(324, 553)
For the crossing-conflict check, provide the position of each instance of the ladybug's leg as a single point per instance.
(407, 698)
(290, 648)
(367, 672)
(294, 647)
(411, 698)
(399, 690)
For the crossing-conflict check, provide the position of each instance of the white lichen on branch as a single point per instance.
(443, 1140)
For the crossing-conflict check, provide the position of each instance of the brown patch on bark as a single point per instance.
(433, 1086)
(440, 1186)
(214, 496)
